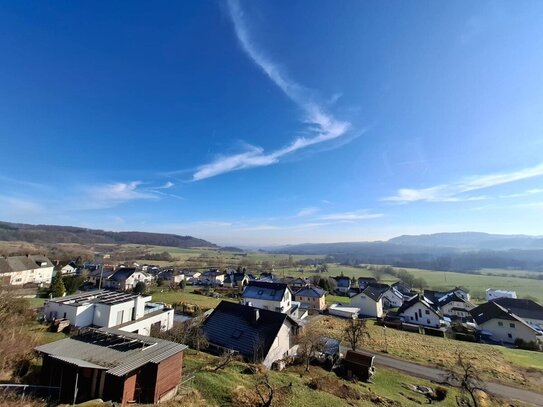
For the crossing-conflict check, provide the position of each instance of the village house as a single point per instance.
(419, 310)
(297, 283)
(434, 295)
(269, 296)
(453, 306)
(392, 298)
(403, 288)
(311, 297)
(112, 365)
(530, 311)
(497, 323)
(104, 308)
(99, 275)
(69, 269)
(125, 279)
(212, 277)
(370, 300)
(364, 281)
(191, 276)
(259, 335)
(492, 294)
(171, 276)
(236, 280)
(343, 284)
(29, 269)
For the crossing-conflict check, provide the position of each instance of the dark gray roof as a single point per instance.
(434, 295)
(376, 291)
(402, 287)
(414, 300)
(122, 274)
(117, 351)
(22, 263)
(310, 291)
(235, 326)
(343, 281)
(521, 307)
(449, 297)
(261, 290)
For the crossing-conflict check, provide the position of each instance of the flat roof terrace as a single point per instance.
(97, 296)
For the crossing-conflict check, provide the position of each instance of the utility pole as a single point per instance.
(101, 274)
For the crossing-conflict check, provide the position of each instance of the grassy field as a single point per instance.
(477, 284)
(186, 296)
(510, 366)
(445, 280)
(232, 387)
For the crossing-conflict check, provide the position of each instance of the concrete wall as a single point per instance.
(143, 326)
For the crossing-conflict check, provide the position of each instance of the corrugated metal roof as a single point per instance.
(124, 353)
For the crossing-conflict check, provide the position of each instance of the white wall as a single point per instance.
(506, 333)
(417, 315)
(447, 308)
(493, 294)
(143, 326)
(368, 307)
(285, 303)
(393, 299)
(280, 346)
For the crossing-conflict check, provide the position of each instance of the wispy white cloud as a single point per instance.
(459, 191)
(323, 126)
(120, 192)
(307, 212)
(351, 216)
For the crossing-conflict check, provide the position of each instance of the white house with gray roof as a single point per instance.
(270, 296)
(370, 300)
(29, 269)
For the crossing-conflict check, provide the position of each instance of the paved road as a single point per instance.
(413, 369)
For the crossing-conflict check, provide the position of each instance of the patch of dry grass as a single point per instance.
(440, 352)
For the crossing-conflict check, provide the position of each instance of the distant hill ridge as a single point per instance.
(71, 234)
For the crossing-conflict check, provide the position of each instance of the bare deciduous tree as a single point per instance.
(265, 391)
(355, 331)
(466, 376)
(310, 341)
(227, 357)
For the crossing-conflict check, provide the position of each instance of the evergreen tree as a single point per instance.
(57, 286)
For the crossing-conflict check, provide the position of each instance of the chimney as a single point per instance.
(256, 315)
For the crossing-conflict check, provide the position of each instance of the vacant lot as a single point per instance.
(509, 366)
(186, 296)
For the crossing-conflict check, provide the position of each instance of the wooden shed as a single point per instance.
(112, 365)
(359, 365)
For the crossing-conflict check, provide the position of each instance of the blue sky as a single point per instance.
(261, 123)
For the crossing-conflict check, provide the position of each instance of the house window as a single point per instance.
(427, 312)
(512, 325)
(510, 336)
(500, 323)
(428, 321)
